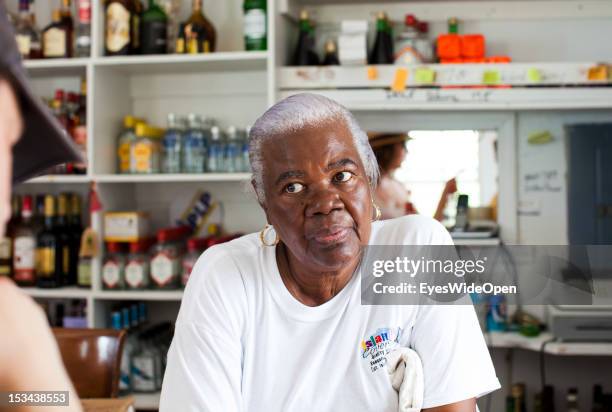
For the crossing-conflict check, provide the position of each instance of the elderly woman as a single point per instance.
(273, 321)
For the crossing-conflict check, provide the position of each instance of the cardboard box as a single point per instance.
(125, 226)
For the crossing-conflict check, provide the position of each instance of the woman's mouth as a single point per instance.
(329, 236)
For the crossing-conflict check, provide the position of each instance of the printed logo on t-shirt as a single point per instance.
(378, 345)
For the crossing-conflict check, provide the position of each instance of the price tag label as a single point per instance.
(491, 77)
(399, 80)
(424, 76)
(534, 75)
(372, 73)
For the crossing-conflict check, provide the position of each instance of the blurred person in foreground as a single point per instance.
(30, 142)
(391, 194)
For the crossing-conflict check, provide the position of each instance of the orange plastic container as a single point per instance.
(473, 60)
(498, 59)
(473, 45)
(457, 60)
(449, 46)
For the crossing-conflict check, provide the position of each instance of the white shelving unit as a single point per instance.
(510, 340)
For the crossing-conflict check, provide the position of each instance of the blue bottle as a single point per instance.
(194, 146)
(232, 160)
(497, 320)
(214, 160)
(172, 145)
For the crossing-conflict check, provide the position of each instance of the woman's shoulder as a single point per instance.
(410, 230)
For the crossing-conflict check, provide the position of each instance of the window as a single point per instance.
(435, 156)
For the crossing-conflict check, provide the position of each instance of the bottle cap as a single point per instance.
(114, 247)
(59, 95)
(129, 121)
(173, 234)
(330, 46)
(410, 20)
(196, 244)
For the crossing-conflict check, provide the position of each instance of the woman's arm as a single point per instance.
(449, 188)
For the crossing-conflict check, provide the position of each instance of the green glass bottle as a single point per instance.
(255, 30)
(154, 30)
(453, 25)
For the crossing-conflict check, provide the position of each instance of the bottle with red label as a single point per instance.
(24, 247)
(195, 247)
(167, 257)
(137, 268)
(113, 269)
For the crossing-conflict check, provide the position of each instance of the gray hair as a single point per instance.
(297, 112)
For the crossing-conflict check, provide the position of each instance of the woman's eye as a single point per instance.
(343, 176)
(294, 188)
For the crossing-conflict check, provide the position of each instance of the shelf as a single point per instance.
(180, 63)
(377, 76)
(76, 179)
(156, 178)
(59, 293)
(55, 67)
(146, 401)
(148, 295)
(516, 340)
(484, 99)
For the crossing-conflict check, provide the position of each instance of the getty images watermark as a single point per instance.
(409, 275)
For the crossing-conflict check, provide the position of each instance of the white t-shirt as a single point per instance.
(244, 343)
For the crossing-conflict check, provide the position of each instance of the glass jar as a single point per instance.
(124, 144)
(146, 149)
(113, 268)
(195, 247)
(137, 268)
(167, 256)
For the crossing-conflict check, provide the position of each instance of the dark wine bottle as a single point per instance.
(382, 51)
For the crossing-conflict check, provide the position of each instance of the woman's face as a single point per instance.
(399, 153)
(317, 195)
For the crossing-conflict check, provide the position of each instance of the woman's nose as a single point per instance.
(323, 201)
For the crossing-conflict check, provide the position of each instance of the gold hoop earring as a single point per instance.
(377, 212)
(264, 233)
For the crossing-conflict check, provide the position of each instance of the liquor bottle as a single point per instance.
(68, 22)
(24, 246)
(67, 268)
(518, 393)
(200, 35)
(548, 399)
(599, 399)
(172, 145)
(572, 400)
(231, 157)
(153, 31)
(75, 231)
(382, 51)
(331, 54)
(6, 242)
(255, 28)
(80, 128)
(39, 213)
(136, 26)
(118, 27)
(214, 160)
(172, 8)
(453, 26)
(83, 30)
(124, 144)
(55, 38)
(194, 146)
(304, 54)
(48, 250)
(26, 34)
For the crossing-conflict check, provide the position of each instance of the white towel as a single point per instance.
(406, 373)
